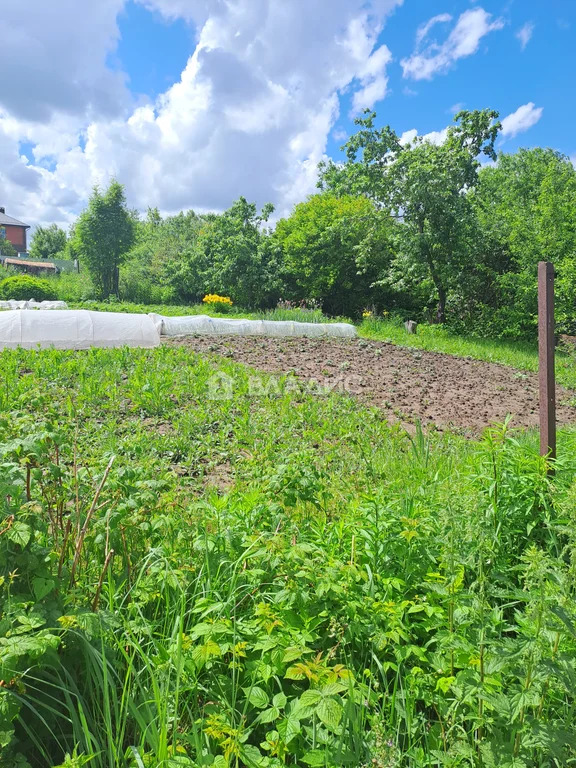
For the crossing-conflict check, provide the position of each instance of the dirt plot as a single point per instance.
(438, 389)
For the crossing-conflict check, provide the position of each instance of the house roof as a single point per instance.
(37, 264)
(12, 222)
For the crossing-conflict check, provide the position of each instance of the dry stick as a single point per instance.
(82, 534)
(127, 556)
(64, 546)
(9, 521)
(60, 507)
(76, 488)
(96, 600)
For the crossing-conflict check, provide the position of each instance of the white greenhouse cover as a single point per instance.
(75, 329)
(32, 304)
(216, 326)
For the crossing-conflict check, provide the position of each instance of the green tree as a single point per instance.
(104, 233)
(155, 269)
(47, 242)
(334, 249)
(426, 187)
(233, 256)
(526, 208)
(7, 249)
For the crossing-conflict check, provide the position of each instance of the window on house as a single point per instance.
(2, 233)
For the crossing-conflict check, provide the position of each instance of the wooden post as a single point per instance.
(546, 375)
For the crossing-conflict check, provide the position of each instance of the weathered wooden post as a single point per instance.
(546, 375)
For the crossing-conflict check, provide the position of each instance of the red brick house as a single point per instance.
(13, 230)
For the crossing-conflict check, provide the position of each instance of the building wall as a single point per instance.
(16, 235)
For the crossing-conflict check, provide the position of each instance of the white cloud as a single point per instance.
(525, 33)
(521, 120)
(54, 58)
(424, 29)
(433, 137)
(373, 79)
(251, 113)
(431, 58)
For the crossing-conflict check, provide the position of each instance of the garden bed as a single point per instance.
(411, 384)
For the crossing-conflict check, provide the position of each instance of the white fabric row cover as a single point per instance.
(216, 326)
(32, 304)
(75, 329)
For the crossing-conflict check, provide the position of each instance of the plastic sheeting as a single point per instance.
(216, 326)
(32, 304)
(75, 329)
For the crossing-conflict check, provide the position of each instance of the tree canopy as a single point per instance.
(47, 242)
(104, 234)
(425, 186)
(7, 249)
(327, 254)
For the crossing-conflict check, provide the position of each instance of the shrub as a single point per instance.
(218, 303)
(140, 284)
(73, 286)
(24, 287)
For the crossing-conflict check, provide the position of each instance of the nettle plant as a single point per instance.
(29, 595)
(56, 549)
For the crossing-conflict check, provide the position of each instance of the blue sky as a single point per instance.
(152, 50)
(190, 103)
(502, 75)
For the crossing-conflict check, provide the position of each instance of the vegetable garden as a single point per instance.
(286, 579)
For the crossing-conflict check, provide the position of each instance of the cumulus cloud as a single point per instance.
(525, 33)
(373, 79)
(431, 58)
(54, 58)
(433, 137)
(521, 120)
(251, 113)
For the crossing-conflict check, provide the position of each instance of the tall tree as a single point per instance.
(333, 248)
(104, 234)
(155, 270)
(232, 256)
(47, 242)
(526, 208)
(425, 185)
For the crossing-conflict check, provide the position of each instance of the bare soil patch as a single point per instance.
(438, 389)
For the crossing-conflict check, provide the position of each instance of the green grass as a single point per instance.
(268, 581)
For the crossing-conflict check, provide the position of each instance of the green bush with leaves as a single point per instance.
(73, 286)
(334, 248)
(25, 287)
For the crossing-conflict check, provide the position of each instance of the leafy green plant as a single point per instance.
(24, 287)
(350, 596)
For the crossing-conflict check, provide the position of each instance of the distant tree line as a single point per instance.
(416, 228)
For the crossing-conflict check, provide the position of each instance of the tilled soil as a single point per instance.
(438, 389)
